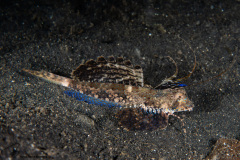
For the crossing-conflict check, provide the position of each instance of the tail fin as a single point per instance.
(53, 78)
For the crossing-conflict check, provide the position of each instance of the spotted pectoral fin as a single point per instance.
(109, 70)
(136, 119)
(90, 100)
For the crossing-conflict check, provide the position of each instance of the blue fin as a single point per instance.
(91, 100)
(171, 85)
(182, 85)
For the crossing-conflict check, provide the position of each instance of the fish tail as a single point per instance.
(50, 77)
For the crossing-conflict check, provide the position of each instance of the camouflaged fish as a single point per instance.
(117, 83)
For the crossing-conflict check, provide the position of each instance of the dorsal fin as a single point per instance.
(109, 71)
(172, 82)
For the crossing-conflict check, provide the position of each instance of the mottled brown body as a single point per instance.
(168, 100)
(119, 82)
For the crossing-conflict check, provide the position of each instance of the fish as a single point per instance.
(115, 82)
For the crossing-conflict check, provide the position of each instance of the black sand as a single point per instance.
(38, 121)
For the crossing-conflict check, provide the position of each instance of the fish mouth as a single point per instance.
(189, 109)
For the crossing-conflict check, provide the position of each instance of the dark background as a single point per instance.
(39, 121)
